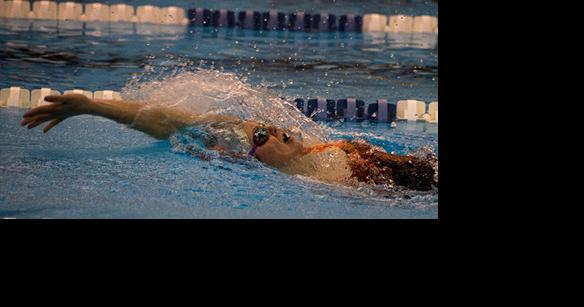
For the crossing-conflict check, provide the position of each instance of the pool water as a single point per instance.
(94, 168)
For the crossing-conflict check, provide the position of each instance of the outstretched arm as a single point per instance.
(157, 121)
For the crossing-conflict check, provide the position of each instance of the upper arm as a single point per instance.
(161, 122)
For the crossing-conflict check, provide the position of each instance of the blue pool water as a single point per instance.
(94, 168)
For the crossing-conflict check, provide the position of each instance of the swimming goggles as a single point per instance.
(260, 137)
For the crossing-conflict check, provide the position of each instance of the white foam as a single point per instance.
(213, 92)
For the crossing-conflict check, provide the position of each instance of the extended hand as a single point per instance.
(62, 107)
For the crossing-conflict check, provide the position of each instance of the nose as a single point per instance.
(273, 130)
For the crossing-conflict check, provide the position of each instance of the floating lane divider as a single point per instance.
(249, 19)
(353, 109)
(91, 12)
(320, 108)
(303, 21)
(22, 98)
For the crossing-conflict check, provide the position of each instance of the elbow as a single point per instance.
(155, 123)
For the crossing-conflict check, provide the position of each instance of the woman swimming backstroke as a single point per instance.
(229, 135)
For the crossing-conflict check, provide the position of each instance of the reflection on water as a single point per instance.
(295, 64)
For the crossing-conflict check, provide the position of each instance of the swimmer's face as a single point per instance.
(279, 148)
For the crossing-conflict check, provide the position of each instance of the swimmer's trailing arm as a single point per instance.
(157, 121)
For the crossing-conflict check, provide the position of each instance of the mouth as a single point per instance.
(260, 136)
(280, 134)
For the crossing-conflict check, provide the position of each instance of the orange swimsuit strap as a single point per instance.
(344, 145)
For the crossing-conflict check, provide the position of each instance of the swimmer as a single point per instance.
(338, 161)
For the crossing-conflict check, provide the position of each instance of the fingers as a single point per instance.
(63, 98)
(67, 98)
(40, 110)
(38, 120)
(52, 124)
(27, 120)
(56, 98)
(35, 120)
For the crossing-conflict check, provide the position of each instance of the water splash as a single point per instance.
(428, 153)
(208, 91)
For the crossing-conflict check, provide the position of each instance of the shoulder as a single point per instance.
(328, 163)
